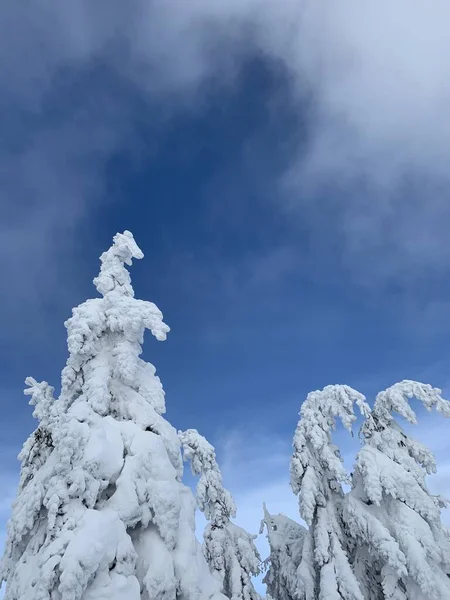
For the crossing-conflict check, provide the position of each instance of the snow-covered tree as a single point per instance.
(403, 550)
(286, 539)
(317, 476)
(39, 445)
(229, 550)
(101, 513)
(34, 454)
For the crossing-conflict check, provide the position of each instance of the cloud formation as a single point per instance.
(374, 163)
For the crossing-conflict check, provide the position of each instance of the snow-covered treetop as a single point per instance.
(383, 432)
(39, 444)
(113, 274)
(317, 475)
(124, 319)
(316, 464)
(283, 532)
(213, 499)
(407, 457)
(396, 399)
(286, 538)
(42, 399)
(229, 550)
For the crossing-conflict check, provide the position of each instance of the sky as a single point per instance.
(284, 167)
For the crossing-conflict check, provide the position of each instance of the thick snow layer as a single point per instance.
(396, 522)
(229, 550)
(286, 539)
(317, 475)
(101, 512)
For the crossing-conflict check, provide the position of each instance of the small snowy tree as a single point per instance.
(317, 475)
(229, 550)
(101, 513)
(403, 548)
(39, 446)
(286, 539)
(33, 456)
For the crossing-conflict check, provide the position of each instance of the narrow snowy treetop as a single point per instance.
(333, 401)
(316, 462)
(118, 313)
(41, 398)
(390, 510)
(383, 432)
(282, 531)
(113, 274)
(286, 539)
(396, 398)
(213, 499)
(230, 551)
(317, 475)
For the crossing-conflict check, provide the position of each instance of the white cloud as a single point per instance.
(374, 71)
(379, 115)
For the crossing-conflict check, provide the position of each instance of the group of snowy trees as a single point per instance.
(384, 539)
(102, 513)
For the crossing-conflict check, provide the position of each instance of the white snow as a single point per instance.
(394, 517)
(286, 538)
(229, 550)
(101, 511)
(317, 476)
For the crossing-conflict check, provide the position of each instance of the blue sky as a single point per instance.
(285, 175)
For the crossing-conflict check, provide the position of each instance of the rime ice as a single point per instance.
(101, 513)
(403, 550)
(286, 539)
(229, 550)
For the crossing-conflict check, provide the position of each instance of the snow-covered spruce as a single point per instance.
(101, 513)
(33, 456)
(286, 539)
(229, 550)
(39, 445)
(403, 549)
(317, 475)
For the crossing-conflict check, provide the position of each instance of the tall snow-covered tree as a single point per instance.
(317, 476)
(101, 513)
(285, 538)
(403, 548)
(229, 550)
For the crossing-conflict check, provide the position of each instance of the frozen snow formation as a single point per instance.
(402, 550)
(229, 550)
(317, 475)
(383, 540)
(101, 513)
(286, 539)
